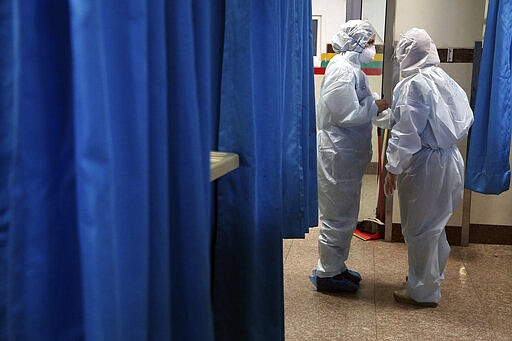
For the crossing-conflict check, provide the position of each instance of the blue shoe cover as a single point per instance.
(312, 278)
(333, 284)
(352, 276)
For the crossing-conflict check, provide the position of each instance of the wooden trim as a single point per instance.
(378, 48)
(372, 168)
(478, 234)
(490, 234)
(459, 55)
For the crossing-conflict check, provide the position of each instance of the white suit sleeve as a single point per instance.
(405, 141)
(341, 100)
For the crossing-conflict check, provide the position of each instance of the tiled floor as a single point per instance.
(476, 301)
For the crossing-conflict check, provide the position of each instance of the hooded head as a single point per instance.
(352, 36)
(416, 50)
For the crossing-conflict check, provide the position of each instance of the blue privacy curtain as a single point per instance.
(108, 113)
(488, 165)
(267, 117)
(104, 147)
(300, 196)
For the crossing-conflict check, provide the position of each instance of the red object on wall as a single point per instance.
(372, 72)
(319, 71)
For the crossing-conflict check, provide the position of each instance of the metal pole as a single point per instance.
(466, 215)
(353, 9)
(390, 72)
(466, 203)
(389, 79)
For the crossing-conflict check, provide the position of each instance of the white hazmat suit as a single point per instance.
(345, 109)
(431, 114)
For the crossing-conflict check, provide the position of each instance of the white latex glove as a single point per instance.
(383, 119)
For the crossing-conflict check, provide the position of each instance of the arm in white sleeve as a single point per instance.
(405, 138)
(341, 100)
(383, 119)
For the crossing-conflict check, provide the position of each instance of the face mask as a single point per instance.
(367, 54)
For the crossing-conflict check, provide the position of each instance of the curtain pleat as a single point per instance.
(266, 117)
(300, 198)
(488, 160)
(42, 271)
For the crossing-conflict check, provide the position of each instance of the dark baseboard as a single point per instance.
(490, 234)
(478, 234)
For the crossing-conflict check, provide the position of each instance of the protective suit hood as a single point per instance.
(416, 50)
(352, 36)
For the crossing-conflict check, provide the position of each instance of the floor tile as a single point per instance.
(476, 302)
(488, 266)
(469, 310)
(496, 299)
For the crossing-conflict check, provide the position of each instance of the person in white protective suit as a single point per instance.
(345, 109)
(430, 113)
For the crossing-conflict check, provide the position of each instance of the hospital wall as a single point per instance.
(332, 14)
(452, 24)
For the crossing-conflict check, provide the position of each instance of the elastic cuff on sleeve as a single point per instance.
(373, 109)
(392, 170)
